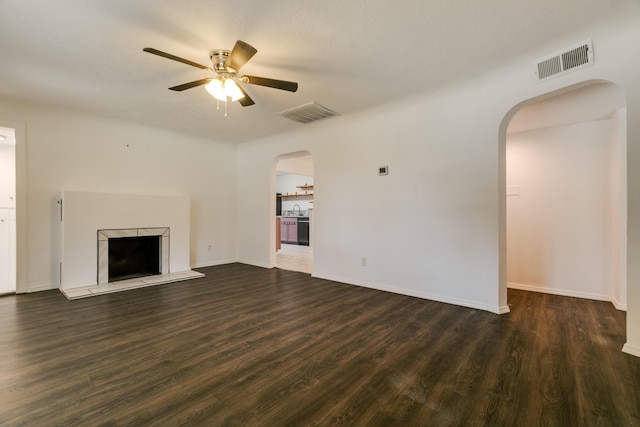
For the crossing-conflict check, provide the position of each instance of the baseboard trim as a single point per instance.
(213, 263)
(631, 349)
(412, 293)
(619, 306)
(235, 261)
(254, 263)
(567, 293)
(42, 288)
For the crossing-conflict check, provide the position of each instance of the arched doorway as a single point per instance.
(563, 173)
(294, 219)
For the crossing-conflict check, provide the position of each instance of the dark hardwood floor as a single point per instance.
(247, 346)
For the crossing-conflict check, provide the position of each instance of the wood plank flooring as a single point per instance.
(246, 346)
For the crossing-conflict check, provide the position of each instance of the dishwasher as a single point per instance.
(303, 231)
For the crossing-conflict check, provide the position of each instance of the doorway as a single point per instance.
(294, 184)
(8, 248)
(565, 207)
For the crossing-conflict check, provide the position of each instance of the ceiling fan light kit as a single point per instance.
(225, 67)
(221, 89)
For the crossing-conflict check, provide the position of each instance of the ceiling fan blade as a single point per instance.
(189, 85)
(277, 84)
(240, 54)
(175, 58)
(246, 100)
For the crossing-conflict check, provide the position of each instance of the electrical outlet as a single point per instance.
(363, 262)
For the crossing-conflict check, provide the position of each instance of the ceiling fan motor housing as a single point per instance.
(219, 59)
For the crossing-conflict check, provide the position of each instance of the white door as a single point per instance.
(13, 250)
(5, 253)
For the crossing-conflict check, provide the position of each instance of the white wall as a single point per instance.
(421, 228)
(67, 150)
(435, 226)
(301, 165)
(560, 224)
(591, 102)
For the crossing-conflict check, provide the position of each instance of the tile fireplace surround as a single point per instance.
(103, 247)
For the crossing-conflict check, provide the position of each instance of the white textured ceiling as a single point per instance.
(345, 55)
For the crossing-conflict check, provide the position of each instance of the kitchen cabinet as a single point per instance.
(289, 230)
(278, 235)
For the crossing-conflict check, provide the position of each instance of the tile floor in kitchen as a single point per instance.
(295, 257)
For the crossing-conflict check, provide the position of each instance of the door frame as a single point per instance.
(21, 202)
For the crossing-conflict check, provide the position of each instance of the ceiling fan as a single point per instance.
(225, 67)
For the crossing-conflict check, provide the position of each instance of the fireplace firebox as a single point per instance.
(132, 257)
(132, 253)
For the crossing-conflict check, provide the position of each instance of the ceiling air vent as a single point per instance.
(569, 59)
(309, 112)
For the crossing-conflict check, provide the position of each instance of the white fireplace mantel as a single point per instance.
(82, 214)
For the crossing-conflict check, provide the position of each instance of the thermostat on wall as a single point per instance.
(383, 170)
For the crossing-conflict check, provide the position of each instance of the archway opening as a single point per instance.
(294, 205)
(563, 173)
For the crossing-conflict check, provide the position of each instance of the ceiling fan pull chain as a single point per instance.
(225, 108)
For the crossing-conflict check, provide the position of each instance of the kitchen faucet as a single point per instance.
(294, 209)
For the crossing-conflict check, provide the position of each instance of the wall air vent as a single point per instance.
(309, 112)
(572, 58)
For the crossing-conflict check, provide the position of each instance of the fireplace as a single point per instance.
(132, 253)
